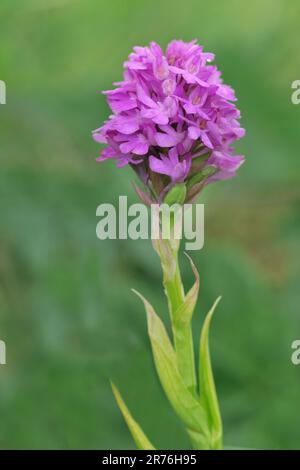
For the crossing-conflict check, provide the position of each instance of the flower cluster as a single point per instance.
(173, 119)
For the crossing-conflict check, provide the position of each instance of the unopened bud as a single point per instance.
(202, 175)
(176, 195)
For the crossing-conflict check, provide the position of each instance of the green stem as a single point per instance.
(184, 347)
(182, 333)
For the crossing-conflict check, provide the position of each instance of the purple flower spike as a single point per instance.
(173, 117)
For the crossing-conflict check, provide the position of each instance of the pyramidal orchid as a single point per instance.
(174, 122)
(173, 117)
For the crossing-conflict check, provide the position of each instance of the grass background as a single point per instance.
(66, 312)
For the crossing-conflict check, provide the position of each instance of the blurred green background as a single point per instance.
(67, 314)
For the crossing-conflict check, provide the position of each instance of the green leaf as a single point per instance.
(141, 440)
(208, 393)
(187, 407)
(184, 313)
